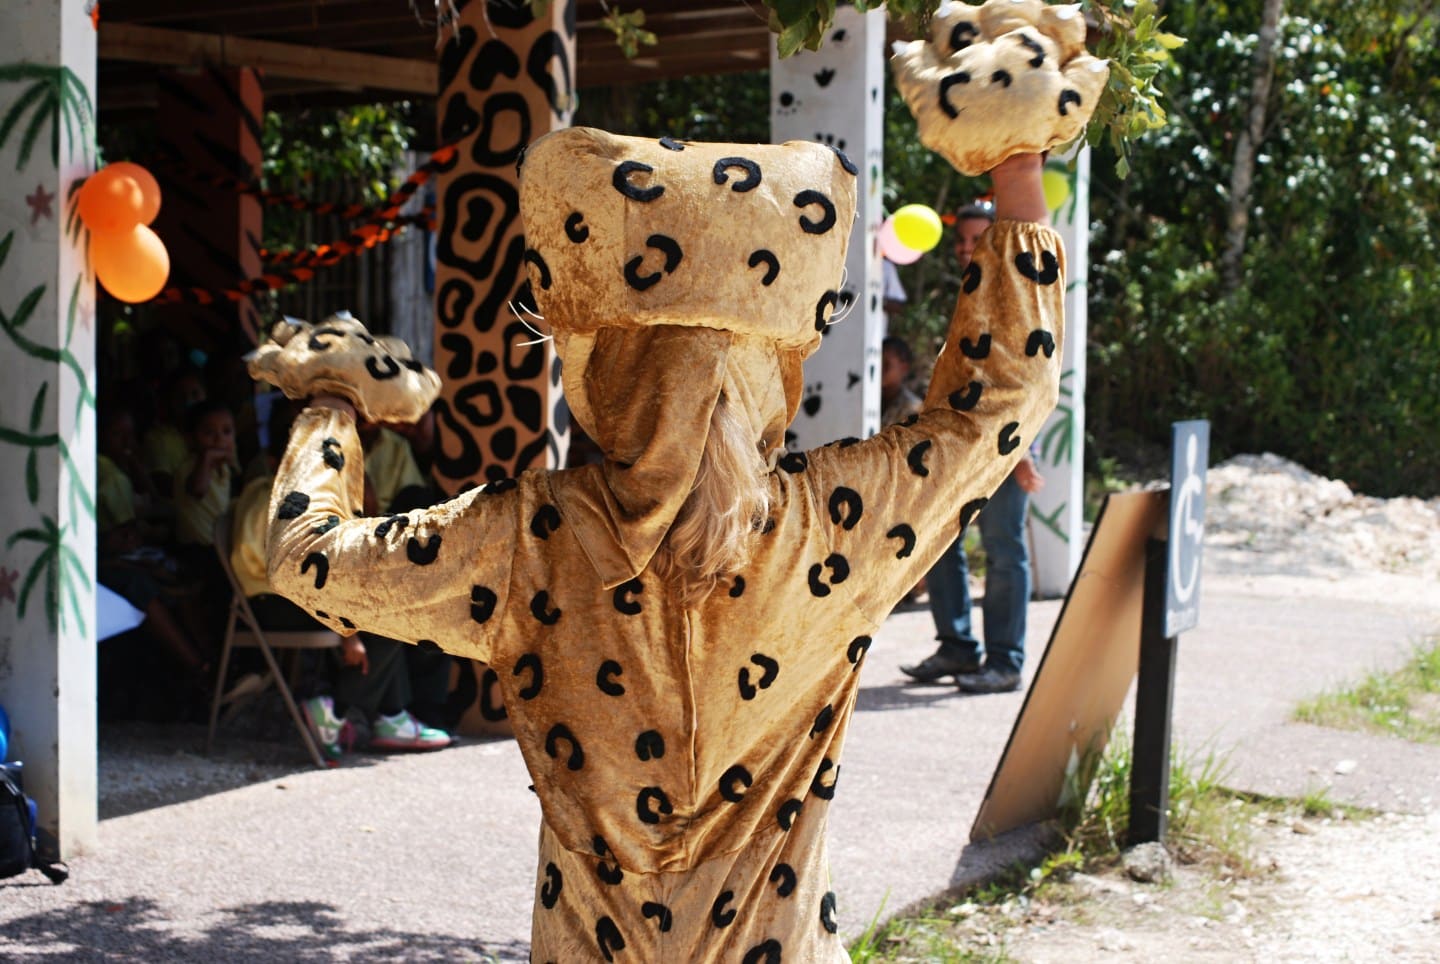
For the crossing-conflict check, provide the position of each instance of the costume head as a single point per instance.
(672, 273)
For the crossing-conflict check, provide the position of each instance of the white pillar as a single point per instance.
(47, 414)
(837, 96)
(1057, 511)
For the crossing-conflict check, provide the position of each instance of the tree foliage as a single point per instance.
(1326, 353)
(349, 154)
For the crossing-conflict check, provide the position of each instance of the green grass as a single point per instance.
(1405, 703)
(1208, 824)
(927, 938)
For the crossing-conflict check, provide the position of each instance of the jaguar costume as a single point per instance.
(684, 754)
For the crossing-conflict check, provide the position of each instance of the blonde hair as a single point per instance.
(729, 499)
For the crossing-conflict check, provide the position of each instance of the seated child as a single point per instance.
(203, 482)
(372, 679)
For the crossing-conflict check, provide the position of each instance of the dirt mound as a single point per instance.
(1270, 508)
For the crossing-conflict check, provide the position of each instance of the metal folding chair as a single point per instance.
(243, 629)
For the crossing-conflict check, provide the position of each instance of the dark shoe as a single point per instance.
(938, 664)
(989, 681)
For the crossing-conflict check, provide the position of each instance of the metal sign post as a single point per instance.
(1172, 605)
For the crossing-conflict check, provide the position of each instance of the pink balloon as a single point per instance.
(892, 248)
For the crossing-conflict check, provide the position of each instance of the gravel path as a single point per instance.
(1334, 890)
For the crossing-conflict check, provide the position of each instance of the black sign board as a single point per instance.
(1189, 456)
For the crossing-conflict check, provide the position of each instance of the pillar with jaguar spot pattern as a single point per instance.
(836, 96)
(47, 415)
(507, 76)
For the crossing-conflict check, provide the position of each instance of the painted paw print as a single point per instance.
(810, 401)
(830, 140)
(787, 103)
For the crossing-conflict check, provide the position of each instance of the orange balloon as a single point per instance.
(110, 202)
(149, 188)
(132, 265)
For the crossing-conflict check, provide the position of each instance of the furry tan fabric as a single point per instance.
(684, 758)
(684, 755)
(340, 357)
(675, 270)
(1006, 77)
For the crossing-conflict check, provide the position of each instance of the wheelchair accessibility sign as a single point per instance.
(1189, 456)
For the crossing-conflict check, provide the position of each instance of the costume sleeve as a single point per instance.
(433, 576)
(893, 502)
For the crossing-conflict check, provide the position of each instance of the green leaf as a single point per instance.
(27, 535)
(73, 310)
(790, 40)
(52, 593)
(790, 12)
(32, 478)
(72, 596)
(77, 490)
(17, 109)
(37, 407)
(37, 569)
(27, 307)
(47, 110)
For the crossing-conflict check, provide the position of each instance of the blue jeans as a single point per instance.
(1007, 586)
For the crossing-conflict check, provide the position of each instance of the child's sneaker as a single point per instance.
(403, 732)
(325, 727)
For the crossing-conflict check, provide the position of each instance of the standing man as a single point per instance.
(995, 667)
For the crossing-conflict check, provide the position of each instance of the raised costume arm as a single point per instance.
(994, 84)
(895, 501)
(427, 576)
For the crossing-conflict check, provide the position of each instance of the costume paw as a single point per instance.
(1009, 77)
(339, 357)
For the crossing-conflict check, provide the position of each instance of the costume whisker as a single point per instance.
(541, 336)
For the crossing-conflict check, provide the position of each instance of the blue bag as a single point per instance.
(17, 829)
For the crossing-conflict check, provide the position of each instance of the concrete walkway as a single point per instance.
(431, 857)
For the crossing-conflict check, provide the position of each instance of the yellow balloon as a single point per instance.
(1056, 185)
(917, 227)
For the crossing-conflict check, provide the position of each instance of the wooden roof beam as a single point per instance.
(180, 48)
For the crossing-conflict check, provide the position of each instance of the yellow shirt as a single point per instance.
(391, 467)
(114, 495)
(164, 450)
(247, 536)
(195, 518)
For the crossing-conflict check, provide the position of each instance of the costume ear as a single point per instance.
(792, 377)
(574, 349)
